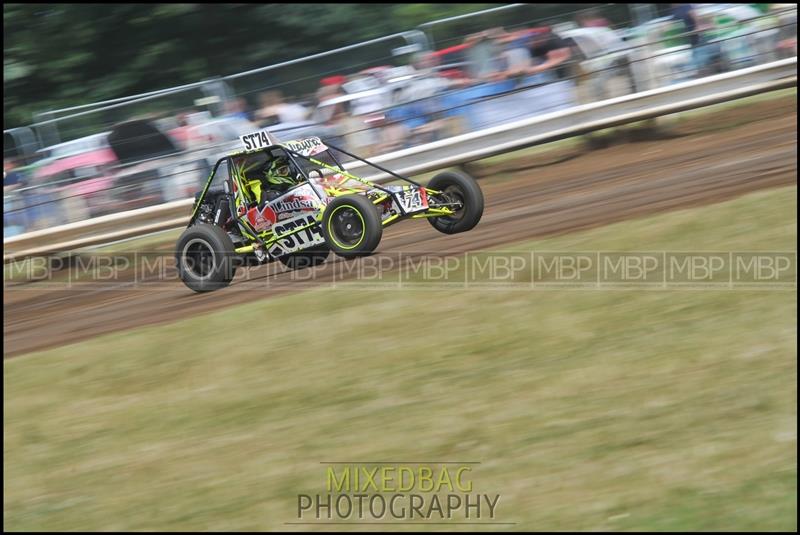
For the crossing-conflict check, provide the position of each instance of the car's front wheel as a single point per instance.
(457, 189)
(351, 226)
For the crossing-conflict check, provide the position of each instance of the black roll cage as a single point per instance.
(293, 155)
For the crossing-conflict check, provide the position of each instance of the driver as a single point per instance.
(278, 176)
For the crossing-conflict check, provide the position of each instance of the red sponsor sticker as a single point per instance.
(261, 220)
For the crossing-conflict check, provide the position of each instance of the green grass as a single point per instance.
(588, 410)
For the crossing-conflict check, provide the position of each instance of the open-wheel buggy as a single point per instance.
(327, 209)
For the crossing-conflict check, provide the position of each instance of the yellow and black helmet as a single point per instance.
(280, 172)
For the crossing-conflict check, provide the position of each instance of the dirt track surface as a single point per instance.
(703, 160)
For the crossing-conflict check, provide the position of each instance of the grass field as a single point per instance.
(587, 409)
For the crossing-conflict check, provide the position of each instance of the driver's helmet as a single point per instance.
(280, 172)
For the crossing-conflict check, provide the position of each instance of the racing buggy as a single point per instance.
(327, 209)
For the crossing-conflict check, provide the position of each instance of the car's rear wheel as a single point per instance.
(460, 188)
(351, 226)
(205, 258)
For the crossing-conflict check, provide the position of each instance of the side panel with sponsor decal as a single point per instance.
(291, 239)
(307, 147)
(300, 199)
(411, 199)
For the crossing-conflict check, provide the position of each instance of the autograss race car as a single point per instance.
(327, 209)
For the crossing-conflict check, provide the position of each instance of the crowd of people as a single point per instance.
(492, 76)
(450, 89)
(428, 100)
(368, 113)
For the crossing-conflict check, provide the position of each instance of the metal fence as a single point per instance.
(451, 151)
(367, 99)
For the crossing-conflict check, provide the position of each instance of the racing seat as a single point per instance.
(253, 178)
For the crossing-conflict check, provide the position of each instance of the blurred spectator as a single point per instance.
(707, 56)
(292, 112)
(13, 204)
(12, 177)
(484, 55)
(335, 81)
(414, 104)
(16, 217)
(40, 210)
(704, 55)
(237, 108)
(330, 88)
(427, 80)
(592, 19)
(687, 14)
(331, 115)
(267, 114)
(549, 52)
(186, 134)
(516, 56)
(787, 33)
(181, 132)
(411, 123)
(489, 55)
(357, 132)
(452, 59)
(324, 113)
(275, 110)
(425, 88)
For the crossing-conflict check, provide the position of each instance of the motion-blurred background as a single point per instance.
(89, 133)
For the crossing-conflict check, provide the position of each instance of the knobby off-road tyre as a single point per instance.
(205, 258)
(461, 187)
(351, 226)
